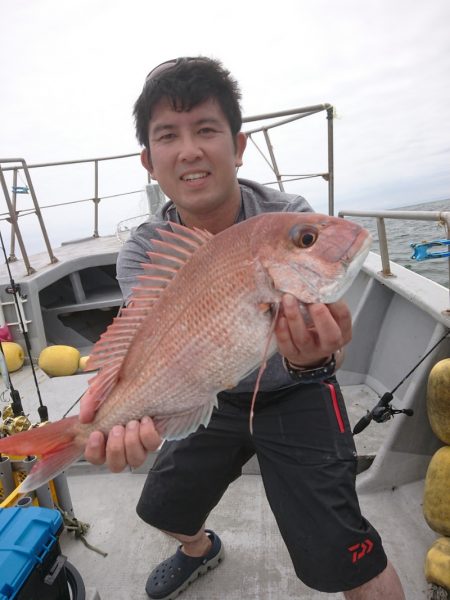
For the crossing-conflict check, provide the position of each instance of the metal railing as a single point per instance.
(294, 115)
(18, 165)
(442, 217)
(13, 214)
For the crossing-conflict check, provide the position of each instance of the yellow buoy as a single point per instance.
(14, 355)
(438, 400)
(58, 361)
(437, 563)
(82, 363)
(436, 500)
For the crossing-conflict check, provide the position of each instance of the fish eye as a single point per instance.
(304, 237)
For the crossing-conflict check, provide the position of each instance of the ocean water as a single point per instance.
(400, 234)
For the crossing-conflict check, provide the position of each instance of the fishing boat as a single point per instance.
(68, 295)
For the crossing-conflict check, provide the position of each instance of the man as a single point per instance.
(188, 119)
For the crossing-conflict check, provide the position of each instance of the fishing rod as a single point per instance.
(14, 290)
(382, 411)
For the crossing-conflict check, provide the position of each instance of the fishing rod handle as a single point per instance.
(362, 423)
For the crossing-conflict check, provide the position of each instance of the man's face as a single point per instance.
(193, 156)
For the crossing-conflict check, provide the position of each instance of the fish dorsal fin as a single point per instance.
(195, 234)
(169, 255)
(110, 350)
(173, 251)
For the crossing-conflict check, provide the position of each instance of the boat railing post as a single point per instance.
(12, 250)
(273, 159)
(384, 252)
(96, 199)
(14, 222)
(38, 212)
(445, 217)
(330, 115)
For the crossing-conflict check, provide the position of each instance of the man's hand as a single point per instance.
(308, 344)
(124, 445)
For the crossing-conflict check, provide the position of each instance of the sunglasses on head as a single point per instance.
(169, 64)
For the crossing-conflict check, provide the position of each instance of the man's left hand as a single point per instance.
(308, 343)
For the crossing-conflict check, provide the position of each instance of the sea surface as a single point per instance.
(400, 234)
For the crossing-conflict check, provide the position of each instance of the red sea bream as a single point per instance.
(200, 319)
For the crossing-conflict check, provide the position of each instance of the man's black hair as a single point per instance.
(186, 84)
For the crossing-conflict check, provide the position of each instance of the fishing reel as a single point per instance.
(381, 413)
(13, 423)
(14, 288)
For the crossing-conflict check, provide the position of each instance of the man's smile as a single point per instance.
(194, 176)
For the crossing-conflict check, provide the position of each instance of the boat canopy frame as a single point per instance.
(19, 165)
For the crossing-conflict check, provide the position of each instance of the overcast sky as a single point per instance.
(71, 71)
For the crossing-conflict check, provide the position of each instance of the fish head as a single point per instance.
(314, 257)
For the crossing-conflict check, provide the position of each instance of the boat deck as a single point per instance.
(68, 252)
(256, 558)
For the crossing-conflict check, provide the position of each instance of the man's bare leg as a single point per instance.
(193, 545)
(385, 586)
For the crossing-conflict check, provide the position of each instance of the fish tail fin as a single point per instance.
(54, 442)
(49, 466)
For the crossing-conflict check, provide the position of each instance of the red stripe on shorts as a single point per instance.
(337, 410)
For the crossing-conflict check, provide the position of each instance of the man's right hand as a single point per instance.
(124, 445)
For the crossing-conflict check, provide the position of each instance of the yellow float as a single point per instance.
(436, 500)
(83, 362)
(437, 563)
(58, 361)
(438, 400)
(14, 356)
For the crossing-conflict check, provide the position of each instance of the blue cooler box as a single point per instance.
(31, 564)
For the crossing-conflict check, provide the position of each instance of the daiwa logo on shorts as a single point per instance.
(360, 550)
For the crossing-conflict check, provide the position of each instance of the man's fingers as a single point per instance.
(290, 308)
(140, 438)
(115, 449)
(95, 451)
(308, 338)
(343, 317)
(291, 327)
(135, 452)
(329, 332)
(125, 445)
(283, 333)
(88, 407)
(150, 438)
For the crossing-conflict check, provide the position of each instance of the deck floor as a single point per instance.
(69, 251)
(256, 558)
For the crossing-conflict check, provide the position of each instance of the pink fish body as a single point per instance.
(198, 323)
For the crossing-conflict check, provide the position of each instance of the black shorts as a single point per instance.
(307, 457)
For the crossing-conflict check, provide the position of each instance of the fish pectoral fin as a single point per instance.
(176, 427)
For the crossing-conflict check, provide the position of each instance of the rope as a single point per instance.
(79, 529)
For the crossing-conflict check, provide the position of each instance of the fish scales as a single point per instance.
(200, 327)
(182, 352)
